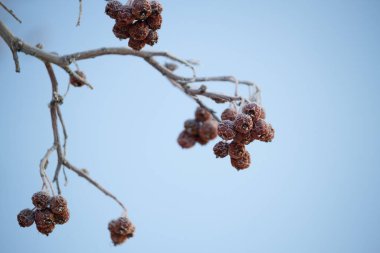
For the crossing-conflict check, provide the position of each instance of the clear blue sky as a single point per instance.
(314, 189)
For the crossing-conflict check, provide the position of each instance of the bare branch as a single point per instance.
(80, 12)
(10, 12)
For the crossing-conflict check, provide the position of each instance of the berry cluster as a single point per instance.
(137, 20)
(121, 230)
(242, 128)
(202, 129)
(48, 212)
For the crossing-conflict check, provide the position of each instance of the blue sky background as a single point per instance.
(314, 189)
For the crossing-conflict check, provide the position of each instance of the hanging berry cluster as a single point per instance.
(48, 212)
(137, 20)
(121, 230)
(242, 129)
(202, 129)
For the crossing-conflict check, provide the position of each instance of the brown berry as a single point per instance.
(201, 114)
(243, 162)
(44, 221)
(139, 30)
(136, 44)
(120, 230)
(76, 82)
(58, 204)
(25, 218)
(192, 126)
(259, 129)
(125, 15)
(243, 123)
(62, 217)
(221, 149)
(254, 110)
(156, 7)
(154, 21)
(236, 150)
(141, 9)
(243, 138)
(120, 30)
(201, 140)
(226, 130)
(112, 8)
(208, 130)
(41, 199)
(268, 136)
(152, 38)
(186, 140)
(229, 114)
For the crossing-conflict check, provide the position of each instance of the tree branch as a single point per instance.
(10, 12)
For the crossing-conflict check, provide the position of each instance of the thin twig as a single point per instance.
(10, 12)
(80, 12)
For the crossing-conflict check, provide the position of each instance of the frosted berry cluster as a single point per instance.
(48, 212)
(137, 21)
(121, 229)
(241, 129)
(200, 130)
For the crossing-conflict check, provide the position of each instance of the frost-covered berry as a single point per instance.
(139, 30)
(136, 44)
(221, 149)
(141, 9)
(125, 15)
(75, 81)
(226, 130)
(112, 8)
(259, 129)
(25, 218)
(243, 123)
(62, 217)
(154, 21)
(202, 141)
(120, 30)
(192, 126)
(156, 7)
(41, 199)
(58, 204)
(243, 138)
(254, 110)
(208, 130)
(120, 230)
(243, 162)
(186, 140)
(229, 114)
(268, 136)
(152, 38)
(44, 221)
(236, 150)
(201, 114)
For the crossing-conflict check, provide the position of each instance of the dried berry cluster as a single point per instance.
(48, 212)
(138, 20)
(242, 128)
(202, 129)
(121, 230)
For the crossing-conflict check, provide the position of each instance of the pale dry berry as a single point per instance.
(141, 9)
(112, 8)
(152, 38)
(139, 30)
(186, 140)
(201, 114)
(236, 150)
(208, 130)
(243, 123)
(259, 129)
(44, 221)
(62, 217)
(125, 15)
(121, 230)
(156, 7)
(58, 204)
(192, 126)
(136, 44)
(229, 114)
(120, 30)
(221, 149)
(25, 218)
(226, 130)
(242, 163)
(75, 81)
(254, 110)
(243, 138)
(41, 199)
(154, 21)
